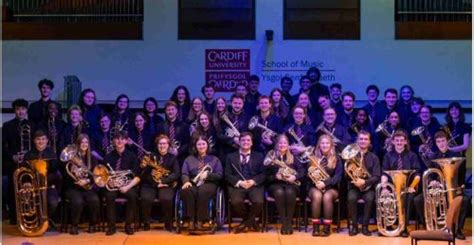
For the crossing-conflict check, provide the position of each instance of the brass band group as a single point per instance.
(390, 160)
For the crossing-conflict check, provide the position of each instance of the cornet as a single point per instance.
(254, 123)
(231, 131)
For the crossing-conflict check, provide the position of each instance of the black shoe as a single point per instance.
(128, 229)
(192, 226)
(199, 226)
(404, 233)
(254, 226)
(354, 231)
(365, 231)
(168, 226)
(146, 226)
(111, 230)
(92, 229)
(240, 228)
(315, 230)
(326, 230)
(460, 235)
(74, 230)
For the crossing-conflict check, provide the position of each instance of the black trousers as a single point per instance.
(196, 200)
(352, 197)
(166, 197)
(285, 200)
(111, 212)
(237, 202)
(78, 199)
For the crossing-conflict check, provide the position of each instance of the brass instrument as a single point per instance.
(284, 170)
(452, 138)
(440, 194)
(427, 143)
(53, 133)
(308, 150)
(30, 185)
(75, 167)
(354, 167)
(111, 179)
(25, 140)
(326, 131)
(253, 123)
(158, 171)
(382, 128)
(390, 204)
(193, 127)
(175, 145)
(231, 131)
(118, 126)
(139, 146)
(211, 142)
(354, 128)
(316, 172)
(198, 180)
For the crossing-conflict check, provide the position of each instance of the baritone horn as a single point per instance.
(75, 167)
(111, 179)
(316, 172)
(30, 184)
(354, 166)
(390, 203)
(438, 195)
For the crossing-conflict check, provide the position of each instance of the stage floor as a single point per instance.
(158, 236)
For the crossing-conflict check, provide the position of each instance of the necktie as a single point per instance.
(236, 121)
(399, 162)
(299, 132)
(245, 166)
(140, 143)
(244, 158)
(172, 131)
(105, 142)
(324, 162)
(118, 166)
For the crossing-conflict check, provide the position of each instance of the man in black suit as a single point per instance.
(38, 111)
(245, 175)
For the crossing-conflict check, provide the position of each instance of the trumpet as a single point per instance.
(354, 167)
(283, 169)
(425, 147)
(316, 172)
(255, 124)
(231, 131)
(110, 179)
(308, 150)
(382, 128)
(158, 171)
(199, 179)
(326, 131)
(75, 167)
(25, 140)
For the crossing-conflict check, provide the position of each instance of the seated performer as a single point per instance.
(245, 175)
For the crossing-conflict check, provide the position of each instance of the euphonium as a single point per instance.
(326, 131)
(308, 150)
(382, 128)
(111, 179)
(284, 170)
(198, 180)
(75, 167)
(231, 131)
(30, 185)
(439, 195)
(316, 172)
(425, 147)
(254, 123)
(390, 204)
(354, 167)
(158, 171)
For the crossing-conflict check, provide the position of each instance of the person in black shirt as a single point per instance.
(429, 125)
(240, 120)
(245, 175)
(345, 116)
(140, 136)
(122, 159)
(73, 128)
(197, 107)
(373, 105)
(363, 188)
(38, 110)
(415, 106)
(317, 88)
(283, 188)
(80, 191)
(401, 158)
(286, 83)
(329, 126)
(209, 101)
(300, 134)
(53, 126)
(335, 91)
(264, 139)
(165, 187)
(325, 192)
(182, 99)
(206, 127)
(150, 107)
(362, 122)
(305, 85)
(404, 103)
(16, 141)
(389, 104)
(102, 143)
(90, 111)
(279, 106)
(121, 115)
(385, 130)
(252, 96)
(304, 101)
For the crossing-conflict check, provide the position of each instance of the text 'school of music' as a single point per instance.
(208, 153)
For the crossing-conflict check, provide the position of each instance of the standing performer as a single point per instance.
(38, 110)
(150, 108)
(245, 175)
(264, 138)
(182, 99)
(90, 111)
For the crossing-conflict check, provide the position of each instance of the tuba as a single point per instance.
(382, 128)
(30, 185)
(284, 170)
(198, 180)
(316, 172)
(425, 147)
(354, 167)
(111, 179)
(439, 195)
(255, 124)
(158, 171)
(308, 150)
(390, 203)
(75, 167)
(231, 131)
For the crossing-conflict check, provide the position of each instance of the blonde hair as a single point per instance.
(332, 157)
(289, 157)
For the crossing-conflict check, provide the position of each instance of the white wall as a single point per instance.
(155, 65)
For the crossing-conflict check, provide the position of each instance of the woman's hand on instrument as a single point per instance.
(291, 178)
(124, 189)
(383, 180)
(82, 182)
(320, 185)
(278, 176)
(186, 185)
(359, 183)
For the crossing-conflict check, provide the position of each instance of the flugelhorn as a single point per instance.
(283, 169)
(231, 131)
(390, 203)
(30, 184)
(307, 151)
(253, 123)
(111, 179)
(75, 167)
(316, 172)
(354, 167)
(438, 195)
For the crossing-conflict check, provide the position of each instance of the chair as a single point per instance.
(441, 235)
